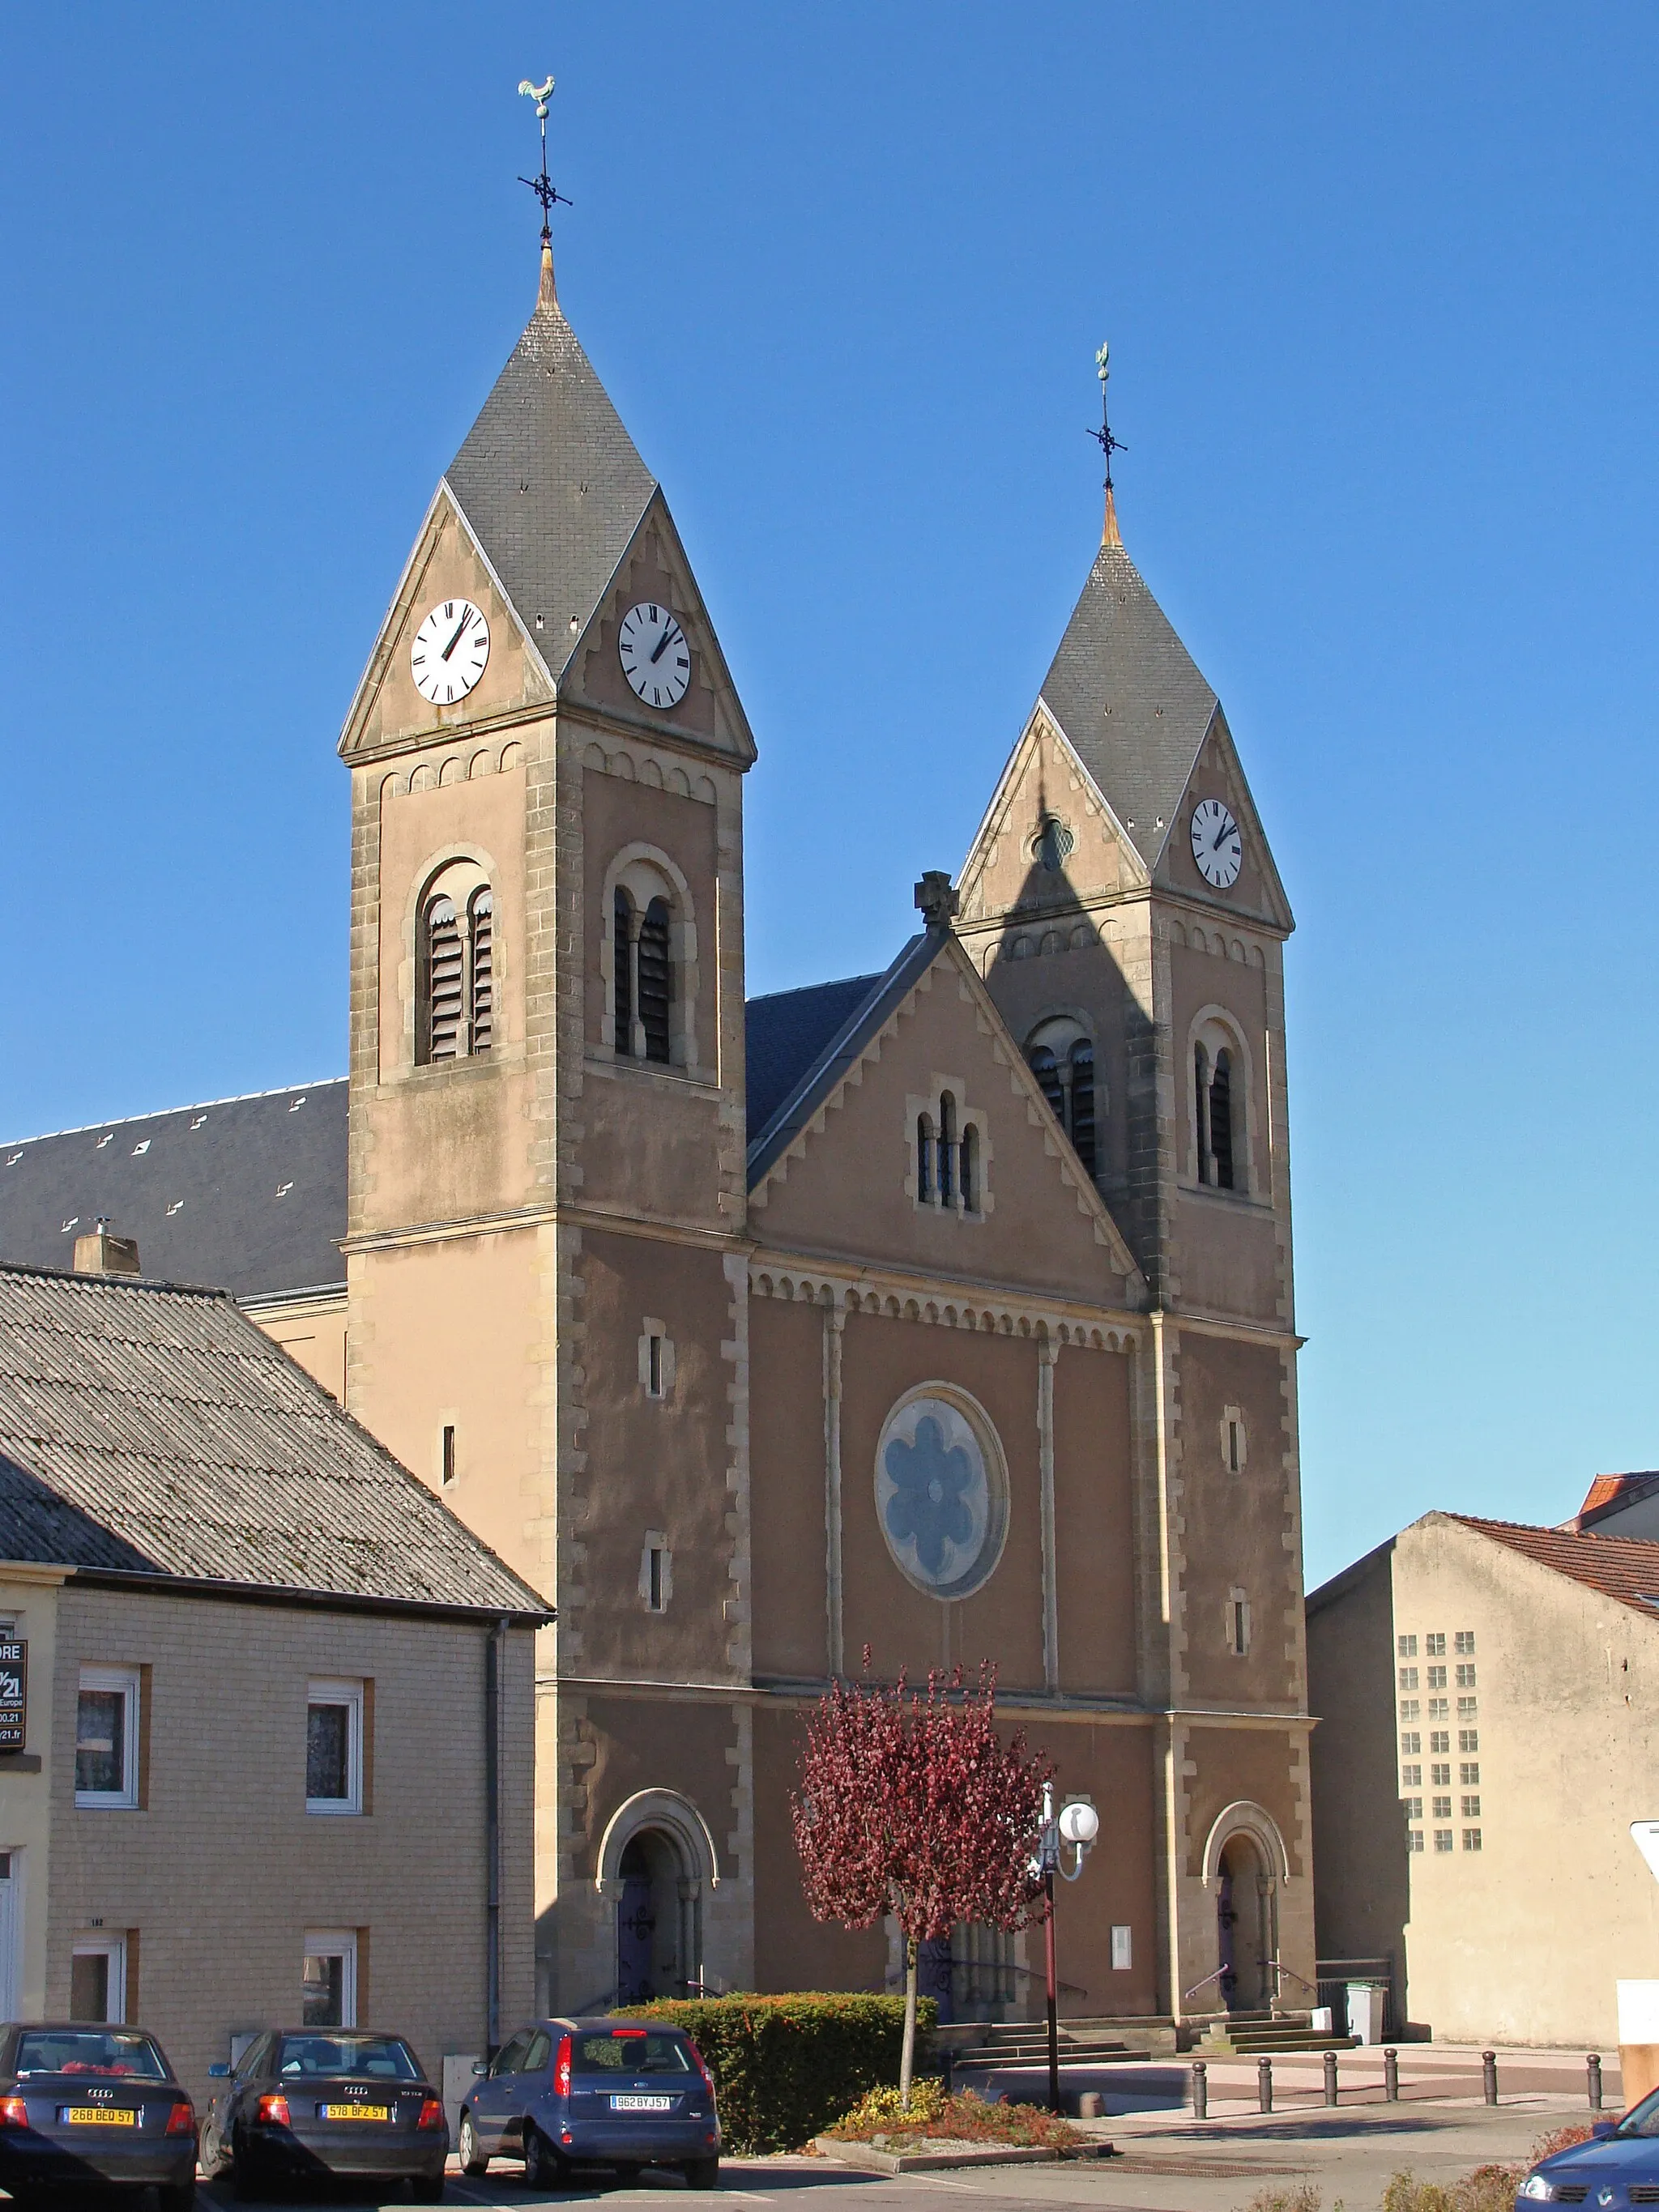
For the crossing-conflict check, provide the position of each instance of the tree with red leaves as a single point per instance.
(914, 1806)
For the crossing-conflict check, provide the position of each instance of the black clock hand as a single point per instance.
(1226, 831)
(456, 640)
(662, 645)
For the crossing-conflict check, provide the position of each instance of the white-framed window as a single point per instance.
(1408, 1647)
(107, 1738)
(334, 1747)
(97, 1978)
(328, 1994)
(1123, 1954)
(1464, 1642)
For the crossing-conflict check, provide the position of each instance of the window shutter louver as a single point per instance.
(1083, 1101)
(444, 979)
(483, 970)
(1221, 1120)
(656, 981)
(1046, 1068)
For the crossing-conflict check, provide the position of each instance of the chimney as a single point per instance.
(101, 1254)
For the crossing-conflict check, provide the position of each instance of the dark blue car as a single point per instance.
(1618, 2167)
(617, 2092)
(84, 2107)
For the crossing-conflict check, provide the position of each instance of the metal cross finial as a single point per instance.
(543, 185)
(1102, 437)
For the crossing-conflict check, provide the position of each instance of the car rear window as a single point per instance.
(623, 2052)
(90, 2050)
(387, 2057)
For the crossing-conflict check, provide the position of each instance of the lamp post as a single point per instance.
(1078, 1824)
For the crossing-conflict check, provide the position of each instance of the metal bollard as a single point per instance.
(1391, 2074)
(1200, 2090)
(1489, 2076)
(1264, 2084)
(1593, 2068)
(1330, 2077)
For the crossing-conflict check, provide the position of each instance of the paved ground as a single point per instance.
(1168, 2162)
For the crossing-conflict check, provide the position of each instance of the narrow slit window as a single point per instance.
(1201, 1093)
(448, 1454)
(655, 979)
(444, 991)
(483, 970)
(622, 914)
(654, 1572)
(947, 1149)
(967, 1170)
(653, 1365)
(925, 1158)
(1232, 1447)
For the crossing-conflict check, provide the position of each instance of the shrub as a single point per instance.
(1487, 2189)
(884, 2117)
(1303, 2197)
(1558, 2139)
(785, 2067)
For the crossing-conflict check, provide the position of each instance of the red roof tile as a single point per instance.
(1622, 1567)
(1608, 1490)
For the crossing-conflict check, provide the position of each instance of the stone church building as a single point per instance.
(947, 1311)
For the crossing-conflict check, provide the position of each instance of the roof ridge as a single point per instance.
(192, 1106)
(85, 1278)
(1556, 1535)
(829, 983)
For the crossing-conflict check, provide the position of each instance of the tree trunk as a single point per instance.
(908, 2059)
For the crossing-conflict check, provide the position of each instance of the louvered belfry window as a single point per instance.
(622, 947)
(1221, 1120)
(446, 980)
(483, 911)
(1082, 1061)
(655, 979)
(1046, 1068)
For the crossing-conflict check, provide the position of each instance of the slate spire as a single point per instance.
(550, 480)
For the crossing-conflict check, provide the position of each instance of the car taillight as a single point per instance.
(273, 2112)
(432, 2114)
(561, 2068)
(14, 2112)
(181, 2120)
(702, 2069)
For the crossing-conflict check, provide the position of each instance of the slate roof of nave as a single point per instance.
(150, 1431)
(1130, 698)
(250, 1194)
(552, 482)
(246, 1194)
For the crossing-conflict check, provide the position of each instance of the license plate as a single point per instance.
(355, 2112)
(641, 2103)
(100, 2116)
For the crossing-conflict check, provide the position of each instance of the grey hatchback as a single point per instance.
(617, 2092)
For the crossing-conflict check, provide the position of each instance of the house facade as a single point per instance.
(946, 1312)
(269, 1759)
(1486, 1695)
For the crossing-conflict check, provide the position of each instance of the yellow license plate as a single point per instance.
(356, 2113)
(100, 2116)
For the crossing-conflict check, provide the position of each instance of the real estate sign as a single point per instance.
(14, 1694)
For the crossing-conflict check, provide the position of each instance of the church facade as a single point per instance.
(945, 1313)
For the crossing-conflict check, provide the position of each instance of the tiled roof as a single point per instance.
(1622, 1567)
(156, 1431)
(1129, 697)
(1611, 1494)
(549, 481)
(248, 1194)
(785, 1032)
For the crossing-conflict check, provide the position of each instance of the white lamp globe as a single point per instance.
(1079, 1823)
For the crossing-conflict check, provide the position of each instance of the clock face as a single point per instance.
(1216, 846)
(655, 657)
(450, 652)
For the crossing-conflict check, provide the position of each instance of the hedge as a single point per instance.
(785, 2067)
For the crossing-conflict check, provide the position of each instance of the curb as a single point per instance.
(871, 2160)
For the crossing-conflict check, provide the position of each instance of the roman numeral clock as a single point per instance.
(654, 655)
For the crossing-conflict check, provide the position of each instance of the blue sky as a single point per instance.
(1381, 290)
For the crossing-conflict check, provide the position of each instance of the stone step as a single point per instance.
(1265, 2042)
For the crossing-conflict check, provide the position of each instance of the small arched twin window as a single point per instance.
(642, 982)
(457, 1010)
(1212, 1084)
(948, 1163)
(1062, 1056)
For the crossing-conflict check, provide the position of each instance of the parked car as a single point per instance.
(617, 2092)
(310, 2103)
(83, 2107)
(1619, 2164)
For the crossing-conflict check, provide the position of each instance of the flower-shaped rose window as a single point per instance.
(941, 1491)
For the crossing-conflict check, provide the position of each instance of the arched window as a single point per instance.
(947, 1148)
(1221, 1119)
(455, 1009)
(483, 912)
(445, 976)
(1201, 1095)
(622, 914)
(967, 1170)
(1061, 1055)
(655, 979)
(925, 1186)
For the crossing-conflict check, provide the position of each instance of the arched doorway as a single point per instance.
(656, 1920)
(1245, 1935)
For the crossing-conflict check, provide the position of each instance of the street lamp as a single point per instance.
(1079, 1824)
